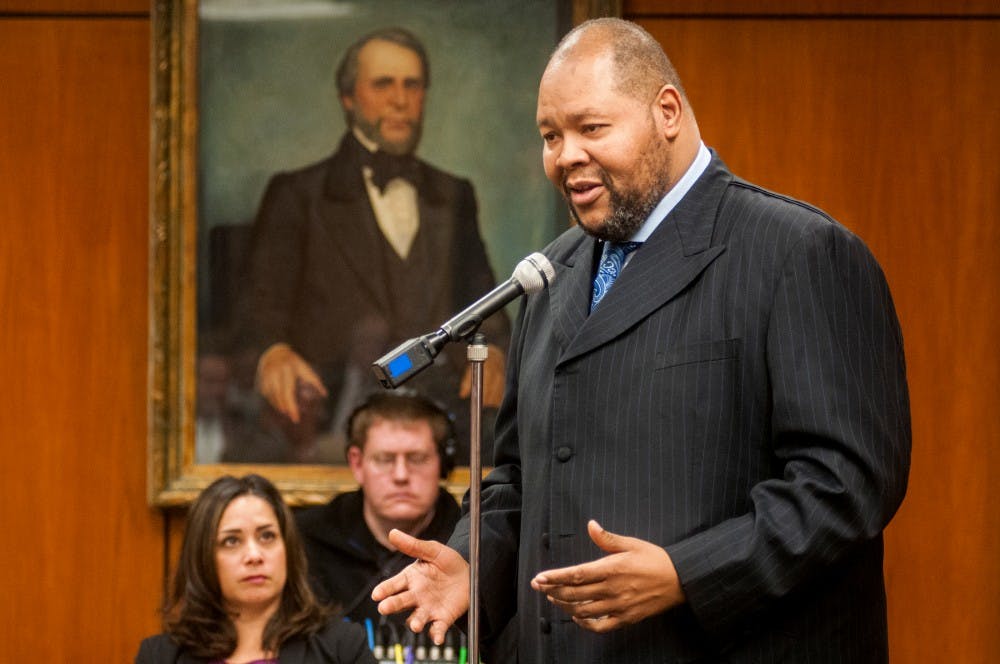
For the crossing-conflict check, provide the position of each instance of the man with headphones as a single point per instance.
(400, 445)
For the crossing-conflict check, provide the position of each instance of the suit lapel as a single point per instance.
(346, 216)
(674, 255)
(433, 243)
(351, 226)
(569, 294)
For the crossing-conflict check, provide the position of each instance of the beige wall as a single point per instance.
(889, 123)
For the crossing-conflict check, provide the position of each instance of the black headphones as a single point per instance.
(423, 406)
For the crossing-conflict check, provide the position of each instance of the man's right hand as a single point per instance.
(280, 373)
(435, 586)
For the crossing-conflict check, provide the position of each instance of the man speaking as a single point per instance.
(705, 427)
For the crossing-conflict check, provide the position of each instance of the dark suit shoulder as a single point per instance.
(752, 215)
(442, 178)
(339, 173)
(437, 187)
(159, 649)
(310, 177)
(753, 199)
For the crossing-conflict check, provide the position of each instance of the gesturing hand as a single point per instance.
(435, 586)
(635, 581)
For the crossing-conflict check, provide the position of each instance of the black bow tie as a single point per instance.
(386, 167)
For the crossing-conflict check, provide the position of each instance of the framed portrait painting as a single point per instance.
(271, 233)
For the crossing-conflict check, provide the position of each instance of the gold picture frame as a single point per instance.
(174, 477)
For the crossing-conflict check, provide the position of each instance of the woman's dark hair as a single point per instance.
(195, 614)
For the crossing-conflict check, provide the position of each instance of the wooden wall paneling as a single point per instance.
(81, 567)
(815, 8)
(176, 523)
(891, 126)
(74, 7)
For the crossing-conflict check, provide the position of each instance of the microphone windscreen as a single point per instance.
(534, 272)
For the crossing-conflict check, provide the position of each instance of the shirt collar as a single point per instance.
(368, 143)
(676, 193)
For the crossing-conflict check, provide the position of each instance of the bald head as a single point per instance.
(640, 65)
(617, 130)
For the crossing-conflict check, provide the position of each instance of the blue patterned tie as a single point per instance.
(611, 267)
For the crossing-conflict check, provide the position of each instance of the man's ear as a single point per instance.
(347, 102)
(354, 457)
(669, 111)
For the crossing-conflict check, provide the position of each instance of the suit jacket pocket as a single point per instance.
(707, 351)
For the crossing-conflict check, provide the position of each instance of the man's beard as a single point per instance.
(374, 133)
(629, 208)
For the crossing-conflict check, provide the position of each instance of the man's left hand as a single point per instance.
(634, 581)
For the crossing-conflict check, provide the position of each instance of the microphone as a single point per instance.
(531, 275)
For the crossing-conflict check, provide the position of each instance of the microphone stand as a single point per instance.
(531, 275)
(476, 353)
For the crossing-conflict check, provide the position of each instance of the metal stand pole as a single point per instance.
(476, 354)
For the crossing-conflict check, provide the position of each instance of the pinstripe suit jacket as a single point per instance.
(739, 397)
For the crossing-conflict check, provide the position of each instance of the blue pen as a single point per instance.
(371, 633)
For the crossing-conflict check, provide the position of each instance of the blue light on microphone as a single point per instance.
(400, 366)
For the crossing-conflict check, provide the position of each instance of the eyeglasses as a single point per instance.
(384, 462)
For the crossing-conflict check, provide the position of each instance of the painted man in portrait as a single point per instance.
(356, 253)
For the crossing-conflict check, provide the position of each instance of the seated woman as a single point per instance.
(241, 594)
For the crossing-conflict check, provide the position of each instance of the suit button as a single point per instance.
(545, 540)
(564, 453)
(545, 625)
